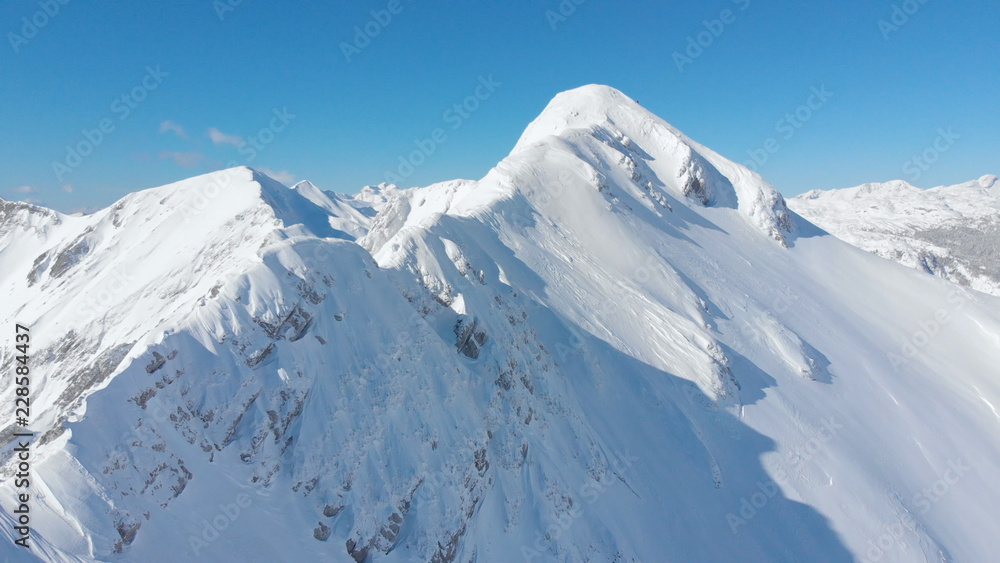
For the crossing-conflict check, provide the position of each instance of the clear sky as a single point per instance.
(178, 85)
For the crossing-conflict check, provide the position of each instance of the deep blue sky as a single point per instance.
(353, 120)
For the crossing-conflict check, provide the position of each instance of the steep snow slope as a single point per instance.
(951, 232)
(615, 346)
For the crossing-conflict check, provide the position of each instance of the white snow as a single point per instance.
(614, 346)
(950, 231)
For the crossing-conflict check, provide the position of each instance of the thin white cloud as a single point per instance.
(220, 138)
(24, 190)
(284, 176)
(68, 188)
(184, 159)
(175, 128)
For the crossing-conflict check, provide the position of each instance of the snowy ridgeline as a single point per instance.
(951, 232)
(616, 346)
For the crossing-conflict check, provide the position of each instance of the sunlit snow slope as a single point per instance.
(616, 346)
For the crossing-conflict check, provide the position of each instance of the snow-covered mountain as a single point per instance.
(950, 231)
(616, 346)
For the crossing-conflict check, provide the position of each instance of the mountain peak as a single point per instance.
(655, 154)
(305, 185)
(579, 108)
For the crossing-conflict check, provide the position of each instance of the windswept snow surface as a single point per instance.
(951, 232)
(617, 346)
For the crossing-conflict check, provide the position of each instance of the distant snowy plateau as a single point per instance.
(950, 231)
(616, 346)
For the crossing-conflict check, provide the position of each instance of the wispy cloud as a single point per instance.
(68, 188)
(24, 190)
(183, 159)
(284, 176)
(220, 138)
(175, 128)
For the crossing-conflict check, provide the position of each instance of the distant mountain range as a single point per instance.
(951, 232)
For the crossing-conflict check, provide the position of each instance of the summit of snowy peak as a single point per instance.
(656, 155)
(189, 233)
(320, 197)
(309, 190)
(218, 198)
(230, 193)
(305, 186)
(583, 107)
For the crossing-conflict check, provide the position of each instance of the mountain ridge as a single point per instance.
(575, 357)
